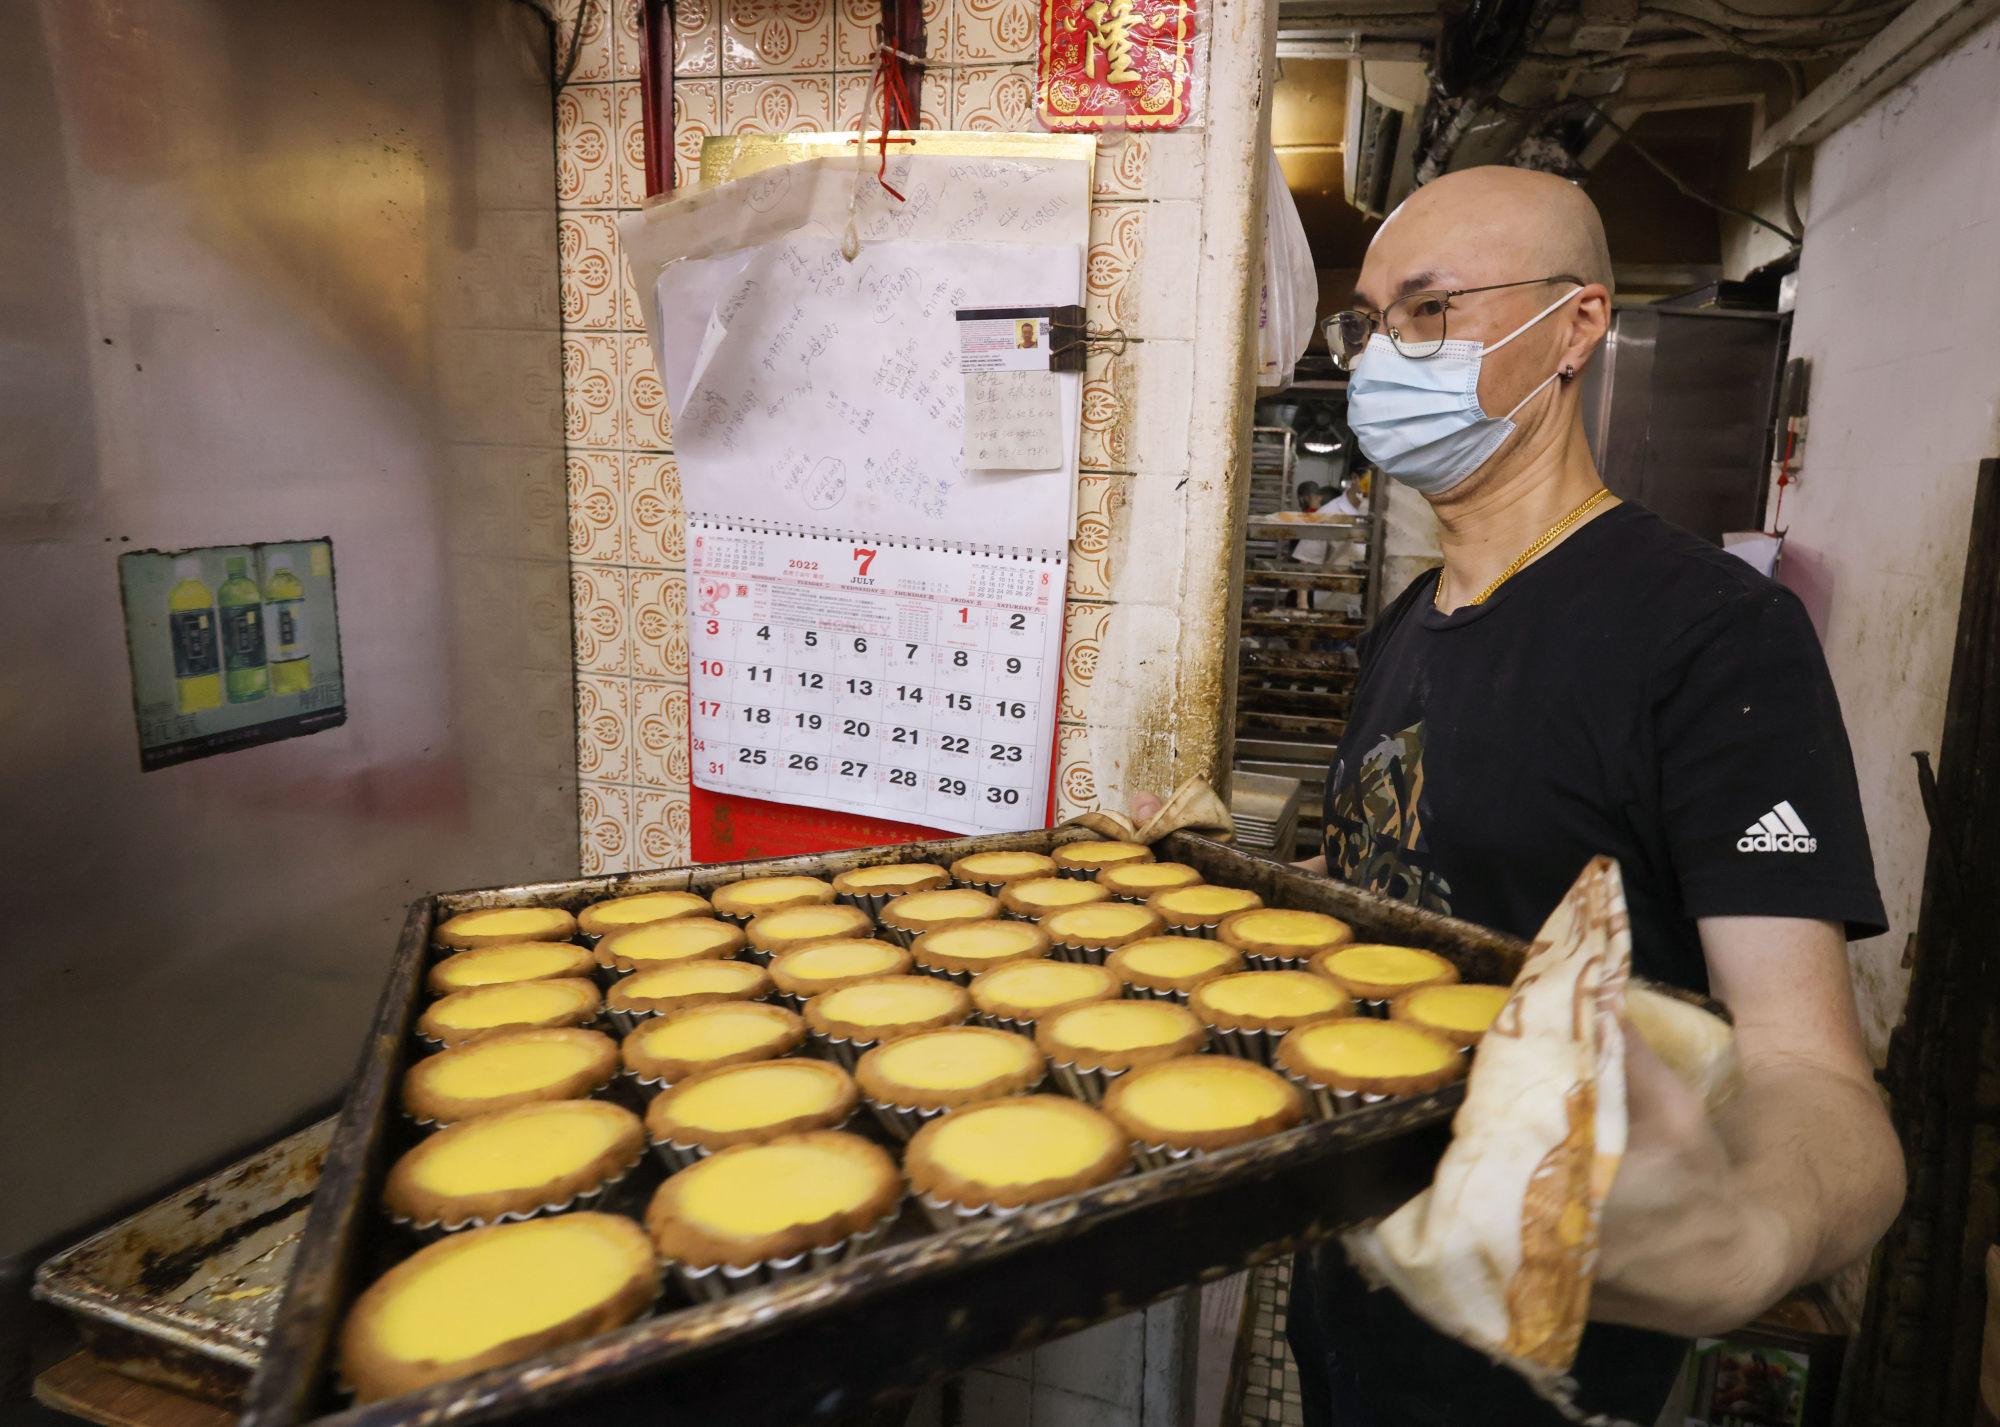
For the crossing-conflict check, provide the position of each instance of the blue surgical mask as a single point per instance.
(1419, 418)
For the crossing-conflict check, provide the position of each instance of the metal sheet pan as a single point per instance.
(924, 1306)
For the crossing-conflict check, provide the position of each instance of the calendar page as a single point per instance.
(906, 679)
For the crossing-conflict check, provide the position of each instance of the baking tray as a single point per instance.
(183, 1293)
(837, 1344)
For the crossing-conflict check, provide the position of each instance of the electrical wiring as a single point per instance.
(1675, 179)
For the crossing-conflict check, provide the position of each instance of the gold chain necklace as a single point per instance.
(1548, 537)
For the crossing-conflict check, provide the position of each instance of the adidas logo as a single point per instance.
(1779, 830)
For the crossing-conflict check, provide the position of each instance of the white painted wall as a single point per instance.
(1899, 309)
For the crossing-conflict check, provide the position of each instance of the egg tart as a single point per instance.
(990, 871)
(1376, 975)
(623, 913)
(870, 887)
(1198, 911)
(663, 990)
(1090, 1046)
(1358, 1059)
(515, 1164)
(1250, 1010)
(754, 1214)
(494, 1296)
(1087, 859)
(1460, 1013)
(506, 1069)
(670, 943)
(775, 933)
(847, 1022)
(514, 961)
(1032, 900)
(919, 1077)
(904, 919)
(815, 970)
(1198, 1104)
(1281, 939)
(963, 952)
(747, 1104)
(1136, 881)
(672, 1047)
(738, 902)
(509, 1006)
(1090, 933)
(1013, 997)
(1000, 1156)
(492, 926)
(1166, 968)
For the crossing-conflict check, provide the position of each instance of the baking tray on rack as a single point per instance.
(836, 1345)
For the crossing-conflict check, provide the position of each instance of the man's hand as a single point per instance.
(1144, 805)
(1709, 1222)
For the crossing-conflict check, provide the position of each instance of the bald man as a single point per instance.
(1583, 678)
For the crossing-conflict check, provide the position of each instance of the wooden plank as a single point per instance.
(84, 1387)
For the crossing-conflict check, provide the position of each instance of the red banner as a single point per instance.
(1106, 62)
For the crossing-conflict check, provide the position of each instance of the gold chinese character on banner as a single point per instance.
(1114, 62)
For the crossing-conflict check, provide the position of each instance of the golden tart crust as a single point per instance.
(754, 896)
(475, 1169)
(931, 911)
(1203, 905)
(509, 962)
(1001, 869)
(1238, 1003)
(1283, 932)
(537, 1256)
(663, 990)
(1028, 990)
(1090, 856)
(1370, 1056)
(509, 1068)
(1172, 963)
(619, 914)
(1039, 896)
(1140, 880)
(668, 943)
(829, 965)
(708, 1037)
(467, 1015)
(1460, 1013)
(776, 933)
(772, 1200)
(1203, 1102)
(1102, 924)
(890, 879)
(942, 1070)
(980, 946)
(749, 1103)
(1025, 1149)
(1369, 972)
(1118, 1035)
(902, 1006)
(492, 926)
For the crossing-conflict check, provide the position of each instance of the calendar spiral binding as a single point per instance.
(731, 526)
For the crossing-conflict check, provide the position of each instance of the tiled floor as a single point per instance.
(1271, 1380)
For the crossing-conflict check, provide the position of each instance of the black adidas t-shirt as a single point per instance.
(1636, 692)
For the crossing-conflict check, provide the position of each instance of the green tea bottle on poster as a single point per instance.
(242, 607)
(285, 627)
(191, 629)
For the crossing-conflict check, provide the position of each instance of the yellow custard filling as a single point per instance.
(767, 1093)
(953, 1060)
(1205, 901)
(1272, 993)
(1466, 1009)
(700, 978)
(493, 965)
(772, 1187)
(510, 921)
(875, 1003)
(939, 905)
(483, 1070)
(1123, 1025)
(1362, 1047)
(649, 907)
(763, 891)
(1274, 924)
(1003, 864)
(1080, 926)
(518, 1151)
(1058, 892)
(1017, 1143)
(842, 958)
(1156, 875)
(508, 1005)
(670, 941)
(1173, 956)
(712, 1033)
(796, 922)
(505, 1286)
(1386, 964)
(982, 940)
(894, 874)
(1041, 983)
(1192, 1098)
(1100, 854)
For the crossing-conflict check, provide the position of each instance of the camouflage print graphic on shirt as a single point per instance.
(1375, 829)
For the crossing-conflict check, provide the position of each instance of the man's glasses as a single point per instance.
(1415, 322)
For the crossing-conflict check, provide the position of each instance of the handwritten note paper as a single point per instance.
(1013, 421)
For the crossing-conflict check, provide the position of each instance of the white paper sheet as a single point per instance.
(1013, 420)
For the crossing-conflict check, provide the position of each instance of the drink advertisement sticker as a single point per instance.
(1114, 63)
(231, 646)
